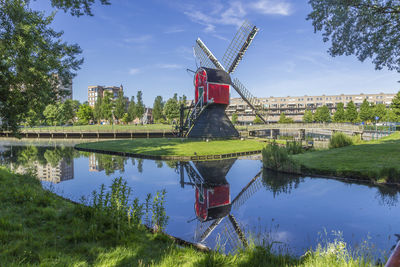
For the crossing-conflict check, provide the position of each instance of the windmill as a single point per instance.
(213, 202)
(212, 82)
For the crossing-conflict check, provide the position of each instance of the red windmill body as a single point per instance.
(213, 85)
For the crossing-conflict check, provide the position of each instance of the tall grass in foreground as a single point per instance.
(113, 210)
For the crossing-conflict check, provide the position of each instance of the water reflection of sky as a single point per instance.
(281, 208)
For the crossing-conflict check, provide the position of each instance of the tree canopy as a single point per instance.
(158, 106)
(364, 28)
(308, 116)
(322, 114)
(339, 115)
(351, 112)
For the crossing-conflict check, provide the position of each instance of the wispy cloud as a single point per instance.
(174, 29)
(272, 7)
(234, 12)
(139, 39)
(169, 66)
(134, 71)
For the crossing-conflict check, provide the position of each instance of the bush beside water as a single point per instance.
(277, 158)
(340, 139)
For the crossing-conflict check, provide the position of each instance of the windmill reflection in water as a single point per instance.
(213, 204)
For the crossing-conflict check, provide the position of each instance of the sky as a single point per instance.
(147, 45)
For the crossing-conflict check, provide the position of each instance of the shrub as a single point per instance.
(340, 139)
(277, 158)
(294, 147)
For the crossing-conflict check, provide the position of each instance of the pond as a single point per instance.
(228, 202)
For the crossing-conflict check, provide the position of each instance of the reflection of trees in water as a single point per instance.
(110, 163)
(159, 164)
(28, 156)
(140, 165)
(279, 183)
(388, 196)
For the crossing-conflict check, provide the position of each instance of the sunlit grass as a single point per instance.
(368, 160)
(176, 147)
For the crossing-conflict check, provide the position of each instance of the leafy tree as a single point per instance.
(32, 118)
(51, 114)
(67, 112)
(322, 114)
(125, 118)
(85, 114)
(366, 112)
(395, 106)
(77, 7)
(120, 106)
(107, 107)
(98, 112)
(171, 109)
(234, 118)
(139, 107)
(339, 115)
(257, 120)
(379, 111)
(365, 28)
(284, 119)
(308, 116)
(132, 109)
(390, 116)
(33, 58)
(351, 112)
(158, 107)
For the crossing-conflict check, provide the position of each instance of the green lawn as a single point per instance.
(102, 128)
(175, 146)
(38, 228)
(370, 160)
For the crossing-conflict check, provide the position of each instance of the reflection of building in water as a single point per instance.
(55, 174)
(94, 163)
(63, 171)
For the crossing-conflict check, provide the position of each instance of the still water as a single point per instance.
(217, 202)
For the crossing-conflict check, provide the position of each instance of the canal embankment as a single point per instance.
(376, 161)
(38, 227)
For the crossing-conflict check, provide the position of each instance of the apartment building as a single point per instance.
(98, 90)
(295, 106)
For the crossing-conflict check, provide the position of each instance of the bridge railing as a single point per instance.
(326, 126)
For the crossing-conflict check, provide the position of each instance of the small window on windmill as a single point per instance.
(201, 93)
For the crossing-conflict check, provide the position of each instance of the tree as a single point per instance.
(32, 118)
(339, 115)
(67, 112)
(322, 114)
(366, 112)
(171, 109)
(51, 113)
(365, 28)
(107, 107)
(308, 116)
(139, 107)
(33, 58)
(284, 119)
(395, 106)
(85, 114)
(234, 118)
(98, 112)
(132, 110)
(351, 113)
(158, 107)
(120, 106)
(390, 116)
(379, 111)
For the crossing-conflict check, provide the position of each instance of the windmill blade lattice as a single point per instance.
(252, 101)
(238, 46)
(252, 187)
(204, 55)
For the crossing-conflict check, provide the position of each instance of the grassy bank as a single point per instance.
(376, 160)
(40, 228)
(175, 147)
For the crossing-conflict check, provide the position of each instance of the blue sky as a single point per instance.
(147, 45)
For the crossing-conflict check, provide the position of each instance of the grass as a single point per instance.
(38, 228)
(101, 128)
(175, 147)
(375, 160)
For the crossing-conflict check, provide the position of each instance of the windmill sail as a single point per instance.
(204, 55)
(238, 46)
(252, 101)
